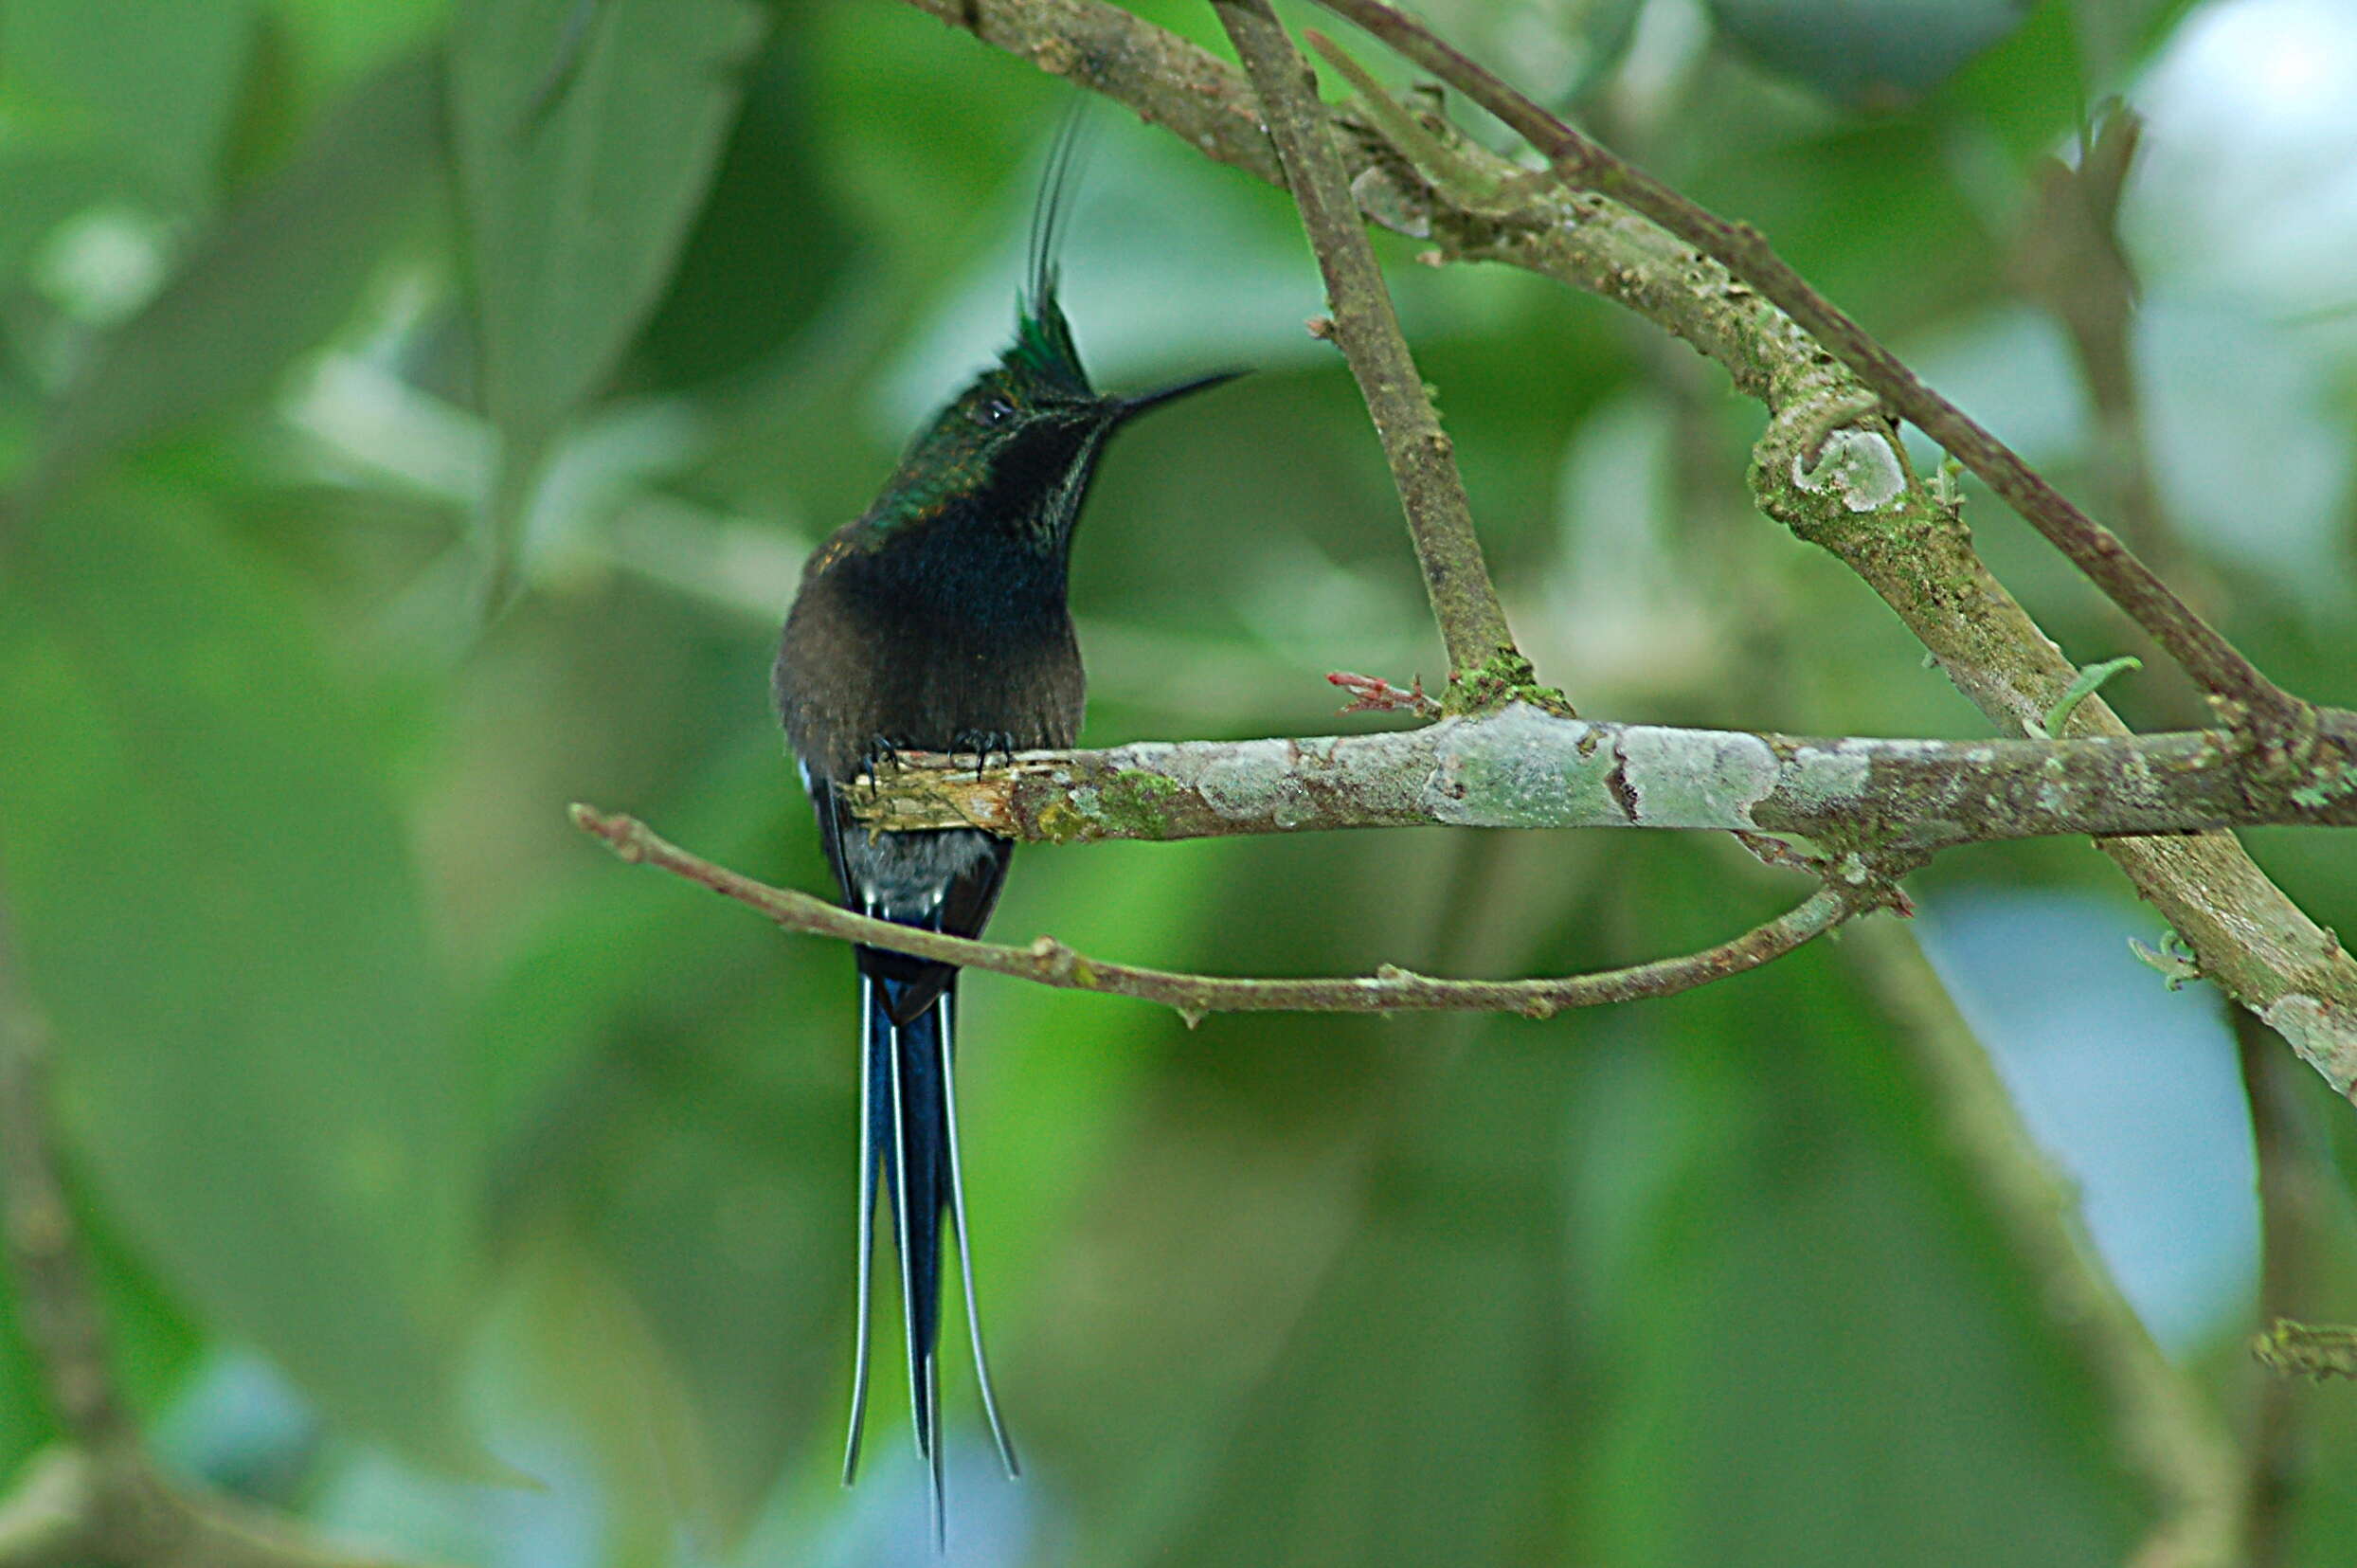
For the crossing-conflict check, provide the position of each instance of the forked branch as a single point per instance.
(2217, 665)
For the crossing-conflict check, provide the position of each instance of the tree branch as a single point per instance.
(1390, 989)
(1522, 767)
(1423, 467)
(2276, 716)
(1861, 502)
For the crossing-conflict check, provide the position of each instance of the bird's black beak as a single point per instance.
(1129, 408)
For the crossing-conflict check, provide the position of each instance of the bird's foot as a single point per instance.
(981, 745)
(881, 752)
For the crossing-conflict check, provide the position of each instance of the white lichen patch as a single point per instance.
(1836, 777)
(1521, 767)
(1694, 778)
(1252, 782)
(1858, 465)
(2138, 783)
(2324, 1036)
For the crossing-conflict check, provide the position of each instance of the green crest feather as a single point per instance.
(1043, 340)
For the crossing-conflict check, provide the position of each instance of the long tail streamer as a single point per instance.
(908, 1146)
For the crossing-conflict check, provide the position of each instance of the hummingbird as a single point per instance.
(937, 620)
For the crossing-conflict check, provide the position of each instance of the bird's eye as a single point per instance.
(994, 409)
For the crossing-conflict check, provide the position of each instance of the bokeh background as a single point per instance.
(414, 417)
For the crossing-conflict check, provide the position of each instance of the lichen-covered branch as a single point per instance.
(1424, 466)
(1391, 989)
(1523, 767)
(1827, 467)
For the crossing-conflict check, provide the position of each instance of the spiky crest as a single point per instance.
(1043, 340)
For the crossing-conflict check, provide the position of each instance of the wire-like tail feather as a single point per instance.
(920, 1150)
(946, 1007)
(908, 1137)
(870, 1153)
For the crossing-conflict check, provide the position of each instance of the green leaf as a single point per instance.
(278, 274)
(1823, 1337)
(156, 84)
(1413, 1416)
(218, 914)
(2085, 685)
(586, 132)
(771, 243)
(1812, 1325)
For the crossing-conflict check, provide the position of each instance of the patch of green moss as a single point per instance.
(1130, 805)
(1061, 822)
(2322, 791)
(1505, 678)
(1133, 805)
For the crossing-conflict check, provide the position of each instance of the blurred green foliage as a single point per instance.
(412, 419)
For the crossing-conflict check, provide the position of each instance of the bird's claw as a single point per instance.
(881, 752)
(981, 744)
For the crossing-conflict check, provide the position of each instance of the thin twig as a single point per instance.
(2160, 1425)
(1390, 989)
(2275, 715)
(2069, 258)
(1424, 465)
